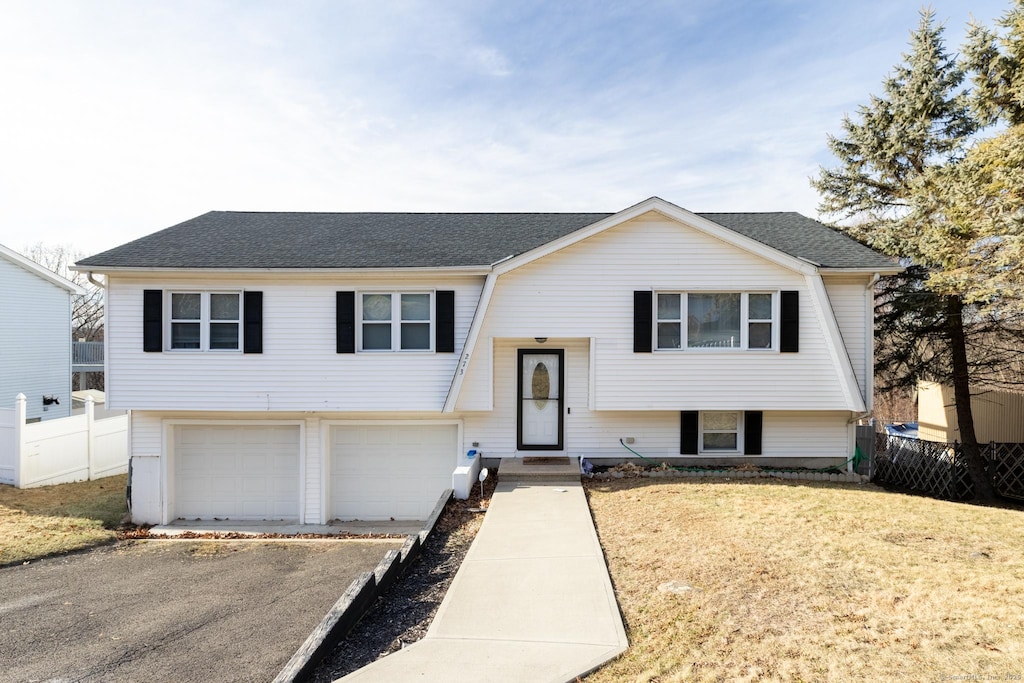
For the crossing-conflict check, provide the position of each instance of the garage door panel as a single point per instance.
(254, 486)
(237, 472)
(410, 439)
(220, 488)
(254, 462)
(380, 437)
(348, 437)
(214, 435)
(282, 464)
(189, 461)
(382, 472)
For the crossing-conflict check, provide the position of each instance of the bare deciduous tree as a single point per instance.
(87, 310)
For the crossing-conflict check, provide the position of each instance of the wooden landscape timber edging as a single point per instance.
(356, 600)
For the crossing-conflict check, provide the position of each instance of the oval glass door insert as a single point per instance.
(540, 385)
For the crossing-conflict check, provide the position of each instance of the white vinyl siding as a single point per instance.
(586, 290)
(854, 311)
(35, 342)
(596, 433)
(146, 438)
(802, 438)
(154, 434)
(313, 484)
(299, 368)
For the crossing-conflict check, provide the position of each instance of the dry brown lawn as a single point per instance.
(797, 581)
(56, 519)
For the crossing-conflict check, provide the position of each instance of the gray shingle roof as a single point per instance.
(233, 240)
(806, 238)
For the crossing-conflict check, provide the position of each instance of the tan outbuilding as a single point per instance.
(998, 415)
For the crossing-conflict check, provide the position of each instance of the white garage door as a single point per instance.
(236, 472)
(380, 472)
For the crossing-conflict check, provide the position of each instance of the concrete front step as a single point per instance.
(539, 469)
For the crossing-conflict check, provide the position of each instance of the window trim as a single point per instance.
(396, 320)
(204, 320)
(739, 431)
(745, 321)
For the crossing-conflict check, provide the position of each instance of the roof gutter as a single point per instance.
(875, 270)
(460, 270)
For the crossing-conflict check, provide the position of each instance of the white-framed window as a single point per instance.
(721, 431)
(204, 321)
(716, 320)
(396, 321)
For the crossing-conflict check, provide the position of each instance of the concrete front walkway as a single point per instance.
(532, 600)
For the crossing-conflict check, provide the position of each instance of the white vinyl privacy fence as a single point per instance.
(57, 451)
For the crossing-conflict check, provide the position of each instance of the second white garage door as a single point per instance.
(236, 472)
(382, 472)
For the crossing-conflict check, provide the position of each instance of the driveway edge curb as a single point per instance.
(356, 600)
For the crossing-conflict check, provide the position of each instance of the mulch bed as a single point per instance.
(402, 615)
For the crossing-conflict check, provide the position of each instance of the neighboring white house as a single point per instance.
(35, 337)
(318, 366)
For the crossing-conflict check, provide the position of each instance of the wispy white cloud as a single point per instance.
(491, 61)
(122, 118)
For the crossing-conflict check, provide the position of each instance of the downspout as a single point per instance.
(94, 281)
(869, 370)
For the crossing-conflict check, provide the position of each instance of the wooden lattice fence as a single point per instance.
(940, 469)
(1007, 463)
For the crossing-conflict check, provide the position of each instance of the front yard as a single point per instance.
(57, 519)
(807, 581)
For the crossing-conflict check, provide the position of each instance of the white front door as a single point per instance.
(541, 389)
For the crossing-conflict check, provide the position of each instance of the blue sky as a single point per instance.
(122, 118)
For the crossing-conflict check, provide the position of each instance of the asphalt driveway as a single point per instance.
(172, 610)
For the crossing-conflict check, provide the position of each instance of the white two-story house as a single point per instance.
(320, 366)
(35, 337)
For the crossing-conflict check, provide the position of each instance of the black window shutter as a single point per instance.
(688, 432)
(152, 320)
(789, 338)
(643, 309)
(346, 322)
(252, 305)
(752, 421)
(444, 332)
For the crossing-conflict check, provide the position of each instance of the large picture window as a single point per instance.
(205, 321)
(715, 320)
(395, 321)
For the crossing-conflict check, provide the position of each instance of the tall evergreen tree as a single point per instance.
(996, 63)
(920, 123)
(977, 206)
(983, 197)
